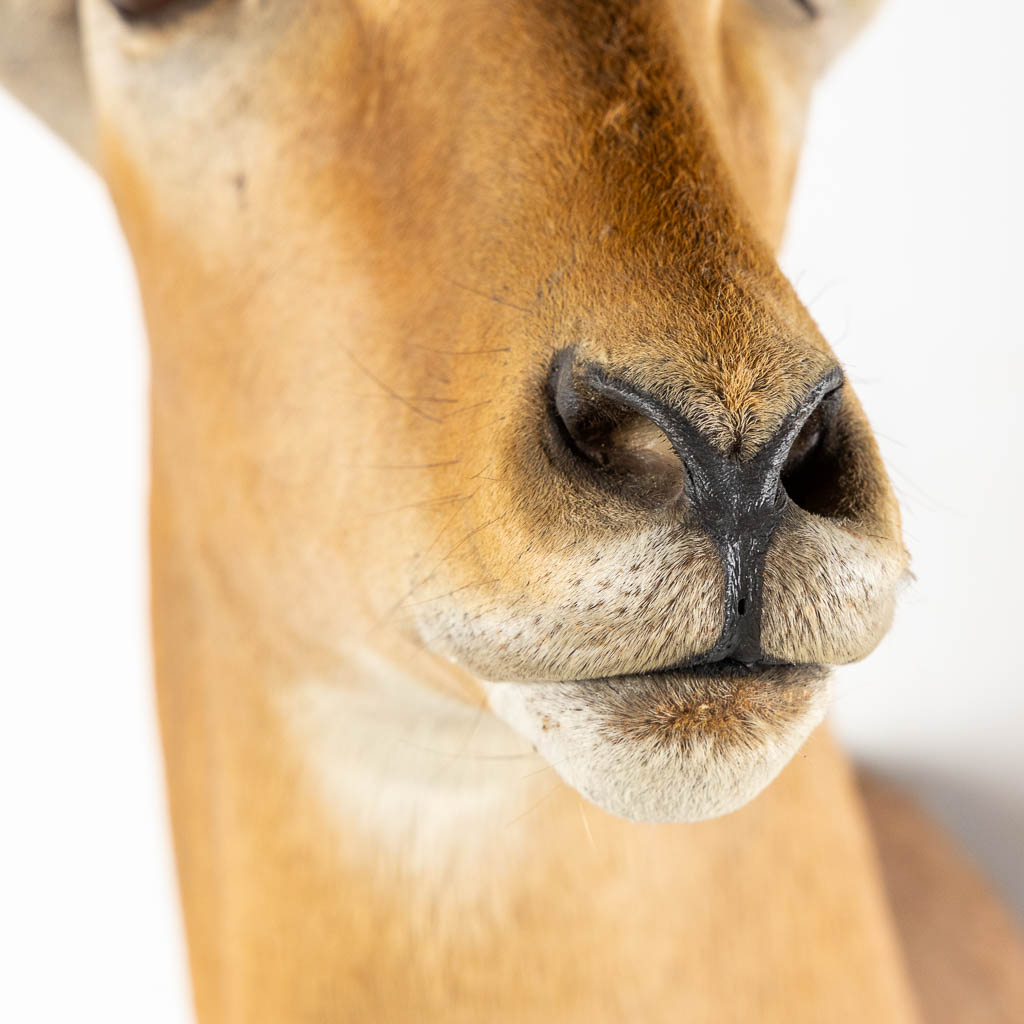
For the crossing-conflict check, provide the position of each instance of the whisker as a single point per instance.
(586, 826)
(390, 390)
(466, 408)
(409, 465)
(409, 398)
(461, 352)
(462, 755)
(550, 766)
(531, 809)
(487, 295)
(441, 597)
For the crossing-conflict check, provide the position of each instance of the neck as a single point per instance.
(423, 778)
(414, 861)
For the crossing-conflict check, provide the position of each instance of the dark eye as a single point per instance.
(791, 12)
(132, 9)
(139, 6)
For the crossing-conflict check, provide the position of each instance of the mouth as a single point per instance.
(713, 704)
(672, 745)
(725, 668)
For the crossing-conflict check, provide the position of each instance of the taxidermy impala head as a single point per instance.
(474, 372)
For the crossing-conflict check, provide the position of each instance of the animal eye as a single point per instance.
(791, 12)
(140, 8)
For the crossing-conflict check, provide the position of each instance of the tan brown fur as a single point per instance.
(363, 231)
(964, 952)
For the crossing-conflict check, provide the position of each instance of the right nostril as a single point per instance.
(812, 473)
(609, 443)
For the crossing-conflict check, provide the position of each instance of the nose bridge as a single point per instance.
(738, 501)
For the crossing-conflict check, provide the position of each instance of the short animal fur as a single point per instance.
(508, 512)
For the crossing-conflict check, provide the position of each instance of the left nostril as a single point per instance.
(609, 443)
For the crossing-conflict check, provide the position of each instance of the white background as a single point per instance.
(905, 241)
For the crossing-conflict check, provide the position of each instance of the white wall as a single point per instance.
(906, 243)
(89, 923)
(903, 241)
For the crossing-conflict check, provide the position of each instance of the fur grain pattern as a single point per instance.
(362, 231)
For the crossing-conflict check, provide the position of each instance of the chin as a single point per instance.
(677, 746)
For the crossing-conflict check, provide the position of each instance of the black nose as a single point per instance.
(738, 502)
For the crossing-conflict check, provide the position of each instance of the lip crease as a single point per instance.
(725, 669)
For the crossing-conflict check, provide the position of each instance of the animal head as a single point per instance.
(471, 352)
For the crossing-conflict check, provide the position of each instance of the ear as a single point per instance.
(41, 64)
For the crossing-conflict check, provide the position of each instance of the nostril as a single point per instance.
(579, 422)
(806, 441)
(608, 443)
(606, 432)
(812, 472)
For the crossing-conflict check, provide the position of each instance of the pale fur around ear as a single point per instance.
(41, 64)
